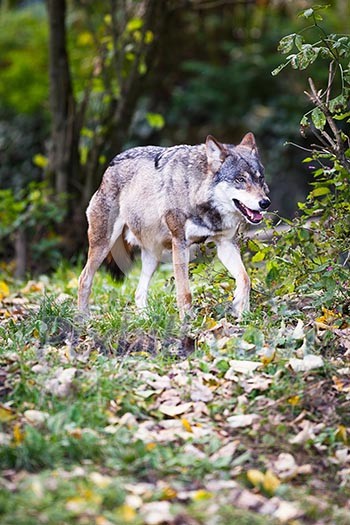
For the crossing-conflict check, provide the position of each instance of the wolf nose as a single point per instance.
(264, 203)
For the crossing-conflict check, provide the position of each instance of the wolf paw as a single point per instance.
(239, 308)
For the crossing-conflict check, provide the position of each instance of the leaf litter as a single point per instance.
(241, 423)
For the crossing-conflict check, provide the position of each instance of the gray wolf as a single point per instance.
(169, 199)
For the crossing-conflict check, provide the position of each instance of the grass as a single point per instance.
(130, 418)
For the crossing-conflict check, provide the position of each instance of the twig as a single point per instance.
(337, 145)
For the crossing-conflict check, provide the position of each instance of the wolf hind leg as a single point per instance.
(149, 265)
(101, 240)
(182, 284)
(230, 257)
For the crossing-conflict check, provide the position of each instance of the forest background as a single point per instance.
(82, 80)
(136, 419)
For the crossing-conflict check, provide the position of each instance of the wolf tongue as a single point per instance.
(254, 215)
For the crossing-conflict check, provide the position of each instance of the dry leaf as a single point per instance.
(308, 432)
(242, 420)
(258, 382)
(341, 384)
(155, 381)
(227, 450)
(4, 290)
(242, 367)
(156, 512)
(36, 417)
(200, 392)
(6, 414)
(255, 476)
(61, 384)
(309, 362)
(174, 410)
(286, 511)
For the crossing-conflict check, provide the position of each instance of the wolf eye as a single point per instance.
(240, 179)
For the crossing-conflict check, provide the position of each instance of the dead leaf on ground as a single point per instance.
(242, 420)
(286, 467)
(36, 417)
(156, 512)
(241, 367)
(62, 383)
(227, 450)
(174, 410)
(341, 384)
(309, 362)
(258, 382)
(200, 392)
(308, 432)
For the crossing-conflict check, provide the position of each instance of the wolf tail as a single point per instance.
(120, 258)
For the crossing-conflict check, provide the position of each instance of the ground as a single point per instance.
(130, 419)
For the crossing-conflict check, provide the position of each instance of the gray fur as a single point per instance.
(169, 198)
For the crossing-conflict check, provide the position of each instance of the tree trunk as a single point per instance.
(64, 154)
(20, 253)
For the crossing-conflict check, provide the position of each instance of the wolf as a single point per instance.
(160, 198)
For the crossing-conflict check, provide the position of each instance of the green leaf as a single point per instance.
(286, 44)
(155, 120)
(307, 56)
(318, 192)
(258, 257)
(134, 24)
(40, 160)
(304, 122)
(299, 40)
(318, 118)
(278, 69)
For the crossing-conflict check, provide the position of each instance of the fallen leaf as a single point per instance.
(33, 286)
(174, 410)
(18, 435)
(200, 392)
(201, 495)
(286, 511)
(271, 482)
(36, 417)
(227, 450)
(309, 362)
(4, 290)
(186, 424)
(342, 456)
(242, 367)
(61, 384)
(6, 414)
(267, 355)
(156, 381)
(258, 382)
(156, 512)
(127, 513)
(298, 332)
(255, 476)
(101, 481)
(242, 420)
(286, 467)
(341, 384)
(308, 432)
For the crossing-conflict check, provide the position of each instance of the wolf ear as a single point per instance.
(216, 153)
(248, 141)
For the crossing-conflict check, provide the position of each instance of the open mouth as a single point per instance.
(252, 216)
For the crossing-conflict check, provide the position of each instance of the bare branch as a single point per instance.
(337, 145)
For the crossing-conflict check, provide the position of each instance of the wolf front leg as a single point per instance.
(180, 264)
(149, 265)
(230, 257)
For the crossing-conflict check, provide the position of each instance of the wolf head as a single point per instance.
(238, 177)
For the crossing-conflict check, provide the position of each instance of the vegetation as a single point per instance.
(144, 420)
